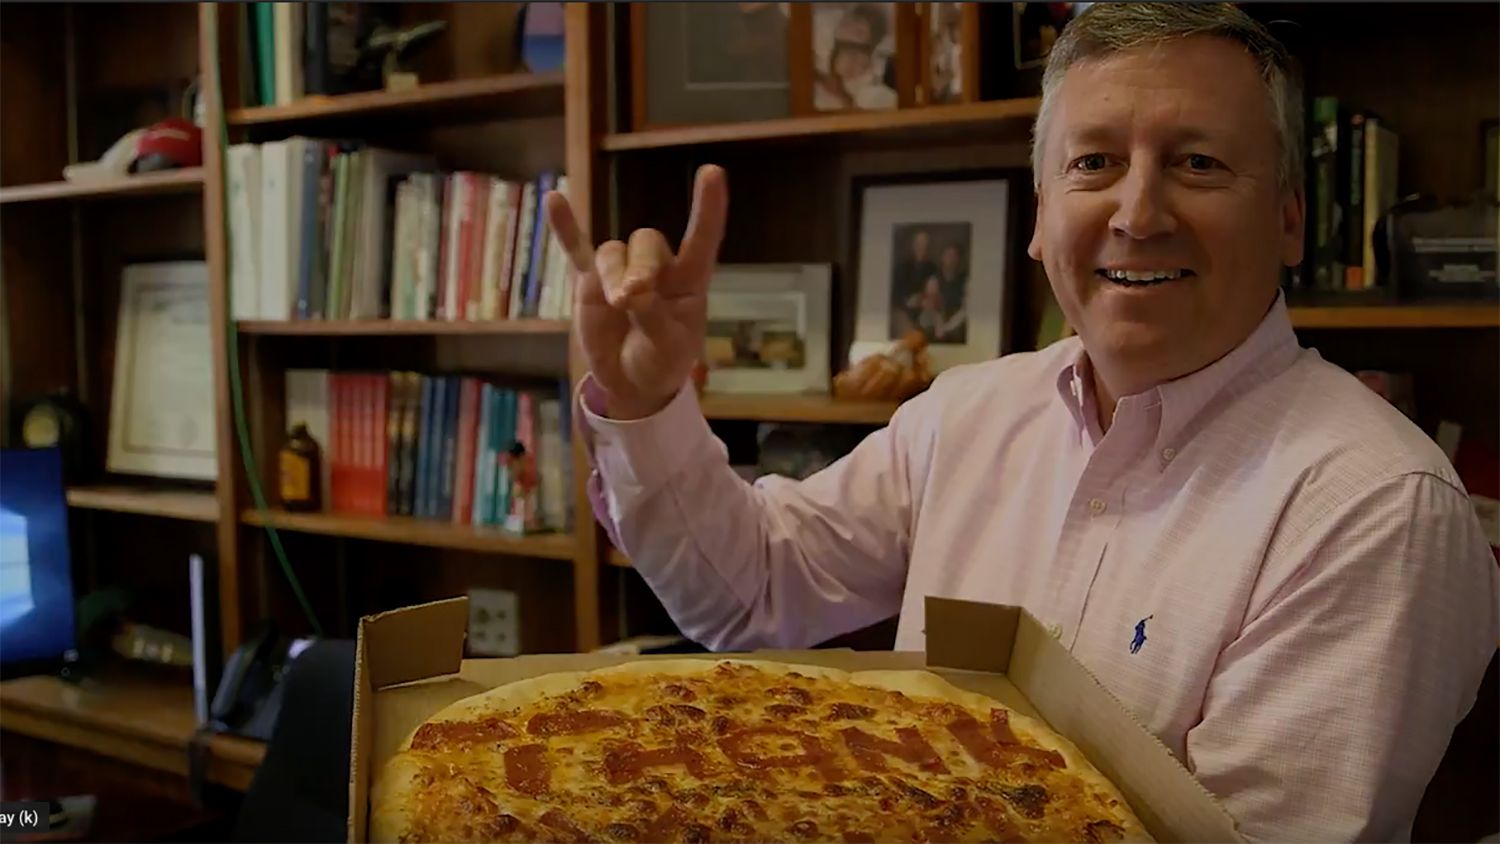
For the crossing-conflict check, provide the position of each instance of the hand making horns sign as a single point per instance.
(639, 311)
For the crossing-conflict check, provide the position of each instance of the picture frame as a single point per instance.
(768, 329)
(852, 57)
(1034, 27)
(687, 59)
(949, 68)
(161, 419)
(934, 257)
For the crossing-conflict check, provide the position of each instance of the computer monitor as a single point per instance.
(36, 580)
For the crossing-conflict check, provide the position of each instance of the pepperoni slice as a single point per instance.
(813, 754)
(870, 751)
(625, 761)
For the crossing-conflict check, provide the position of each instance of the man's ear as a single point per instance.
(1293, 222)
(1034, 249)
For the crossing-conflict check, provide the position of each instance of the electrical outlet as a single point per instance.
(494, 623)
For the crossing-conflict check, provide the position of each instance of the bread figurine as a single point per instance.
(897, 374)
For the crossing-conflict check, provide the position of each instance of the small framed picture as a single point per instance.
(1490, 146)
(950, 53)
(768, 329)
(853, 56)
(1034, 28)
(934, 258)
(694, 63)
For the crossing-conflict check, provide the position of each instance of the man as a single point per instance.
(1274, 569)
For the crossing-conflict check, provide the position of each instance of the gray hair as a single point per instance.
(1105, 28)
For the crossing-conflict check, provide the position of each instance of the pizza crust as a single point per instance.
(391, 818)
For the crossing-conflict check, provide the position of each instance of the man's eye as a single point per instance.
(1201, 163)
(1090, 163)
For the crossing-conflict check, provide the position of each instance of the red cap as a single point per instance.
(175, 142)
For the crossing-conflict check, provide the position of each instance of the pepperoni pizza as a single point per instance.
(734, 750)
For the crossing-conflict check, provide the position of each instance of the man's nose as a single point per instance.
(1144, 210)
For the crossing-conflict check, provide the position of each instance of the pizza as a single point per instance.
(740, 750)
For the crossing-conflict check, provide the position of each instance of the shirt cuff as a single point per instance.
(636, 457)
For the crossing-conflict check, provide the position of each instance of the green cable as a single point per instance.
(237, 393)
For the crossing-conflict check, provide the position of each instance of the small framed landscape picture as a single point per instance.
(933, 258)
(768, 329)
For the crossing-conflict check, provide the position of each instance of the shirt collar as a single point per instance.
(1269, 350)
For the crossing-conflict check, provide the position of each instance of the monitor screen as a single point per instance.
(36, 581)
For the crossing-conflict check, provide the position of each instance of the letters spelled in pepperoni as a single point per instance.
(625, 761)
(870, 751)
(526, 768)
(440, 735)
(842, 711)
(573, 723)
(813, 754)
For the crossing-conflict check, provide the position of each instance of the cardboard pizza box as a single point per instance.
(409, 664)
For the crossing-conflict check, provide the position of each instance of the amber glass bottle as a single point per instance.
(300, 471)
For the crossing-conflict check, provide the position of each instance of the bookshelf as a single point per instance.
(184, 181)
(472, 111)
(515, 94)
(388, 327)
(188, 505)
(413, 531)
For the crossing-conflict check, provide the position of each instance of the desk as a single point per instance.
(143, 718)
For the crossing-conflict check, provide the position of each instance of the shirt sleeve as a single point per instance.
(1328, 714)
(778, 563)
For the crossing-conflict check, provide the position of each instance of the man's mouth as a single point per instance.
(1142, 278)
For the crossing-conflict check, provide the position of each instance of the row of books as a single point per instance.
(327, 229)
(450, 448)
(286, 51)
(1351, 183)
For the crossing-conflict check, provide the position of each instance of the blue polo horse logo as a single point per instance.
(1140, 634)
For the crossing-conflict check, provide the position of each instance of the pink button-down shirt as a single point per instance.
(1276, 570)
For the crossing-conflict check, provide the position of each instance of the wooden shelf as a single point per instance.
(926, 120)
(1485, 315)
(185, 180)
(796, 407)
(190, 504)
(508, 95)
(426, 532)
(144, 718)
(386, 327)
(616, 557)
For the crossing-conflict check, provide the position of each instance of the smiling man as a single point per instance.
(1272, 567)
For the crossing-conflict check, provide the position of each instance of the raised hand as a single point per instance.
(639, 311)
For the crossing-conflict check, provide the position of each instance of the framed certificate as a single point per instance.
(161, 419)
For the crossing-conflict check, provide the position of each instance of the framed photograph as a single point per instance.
(161, 418)
(950, 53)
(934, 258)
(853, 56)
(1490, 146)
(1034, 28)
(695, 63)
(768, 329)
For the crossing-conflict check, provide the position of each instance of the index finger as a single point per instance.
(705, 228)
(565, 227)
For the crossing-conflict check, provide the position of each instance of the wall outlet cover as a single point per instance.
(494, 623)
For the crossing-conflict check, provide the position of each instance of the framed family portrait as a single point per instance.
(934, 258)
(697, 63)
(768, 328)
(950, 53)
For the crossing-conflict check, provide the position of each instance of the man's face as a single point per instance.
(919, 245)
(1163, 161)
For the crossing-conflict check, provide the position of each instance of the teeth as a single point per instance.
(1142, 275)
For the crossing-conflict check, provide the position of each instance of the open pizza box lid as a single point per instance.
(409, 664)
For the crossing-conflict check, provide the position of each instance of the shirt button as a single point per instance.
(1096, 506)
(1055, 630)
(1168, 453)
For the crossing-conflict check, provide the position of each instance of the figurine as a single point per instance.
(897, 374)
(397, 46)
